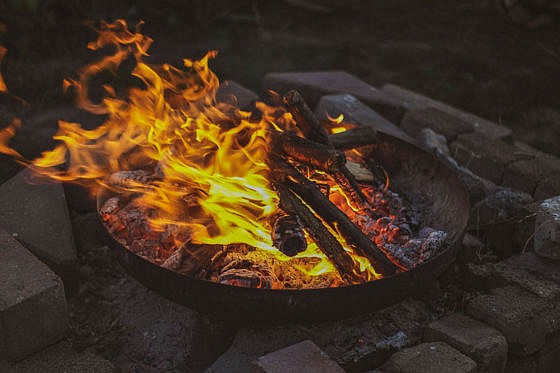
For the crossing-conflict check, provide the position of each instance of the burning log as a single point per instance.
(353, 138)
(197, 258)
(326, 242)
(287, 234)
(305, 119)
(314, 131)
(337, 219)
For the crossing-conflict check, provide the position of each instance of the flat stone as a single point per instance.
(37, 215)
(62, 358)
(547, 229)
(486, 157)
(314, 85)
(234, 93)
(526, 174)
(302, 357)
(439, 121)
(32, 302)
(409, 100)
(356, 112)
(482, 343)
(513, 271)
(435, 357)
(478, 276)
(356, 344)
(523, 318)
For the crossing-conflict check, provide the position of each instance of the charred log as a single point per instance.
(353, 138)
(197, 258)
(337, 219)
(287, 234)
(305, 119)
(326, 242)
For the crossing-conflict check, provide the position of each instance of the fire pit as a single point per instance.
(254, 214)
(419, 176)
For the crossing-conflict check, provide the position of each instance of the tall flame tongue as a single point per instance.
(209, 157)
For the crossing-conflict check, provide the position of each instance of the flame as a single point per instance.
(210, 174)
(3, 87)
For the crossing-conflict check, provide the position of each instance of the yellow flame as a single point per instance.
(208, 156)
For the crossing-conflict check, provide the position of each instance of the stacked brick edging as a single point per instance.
(510, 299)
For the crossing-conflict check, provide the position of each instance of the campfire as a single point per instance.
(259, 197)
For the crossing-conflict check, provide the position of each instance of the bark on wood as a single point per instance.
(326, 242)
(314, 131)
(305, 119)
(353, 138)
(337, 219)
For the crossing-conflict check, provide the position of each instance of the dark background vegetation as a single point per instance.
(461, 52)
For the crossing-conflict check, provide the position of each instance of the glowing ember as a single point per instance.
(190, 177)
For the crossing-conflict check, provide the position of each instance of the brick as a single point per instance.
(32, 302)
(435, 357)
(527, 174)
(439, 121)
(62, 358)
(482, 343)
(411, 100)
(515, 272)
(302, 357)
(356, 112)
(523, 318)
(478, 276)
(234, 93)
(314, 85)
(547, 229)
(484, 156)
(37, 215)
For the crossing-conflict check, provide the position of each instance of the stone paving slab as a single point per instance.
(523, 318)
(439, 121)
(314, 85)
(411, 100)
(302, 357)
(37, 215)
(435, 357)
(547, 229)
(482, 343)
(356, 112)
(32, 302)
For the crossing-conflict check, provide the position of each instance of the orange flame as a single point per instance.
(209, 157)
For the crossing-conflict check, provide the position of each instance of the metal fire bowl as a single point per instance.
(417, 175)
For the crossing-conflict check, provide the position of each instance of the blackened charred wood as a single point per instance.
(353, 138)
(328, 211)
(307, 152)
(326, 242)
(305, 119)
(287, 234)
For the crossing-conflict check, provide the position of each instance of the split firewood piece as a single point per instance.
(361, 173)
(314, 131)
(287, 234)
(325, 240)
(337, 219)
(305, 119)
(354, 138)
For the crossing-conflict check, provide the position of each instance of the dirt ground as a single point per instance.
(463, 53)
